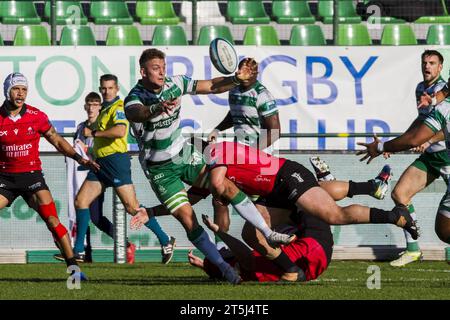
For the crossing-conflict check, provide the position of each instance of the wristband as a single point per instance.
(235, 80)
(434, 101)
(155, 108)
(380, 147)
(77, 157)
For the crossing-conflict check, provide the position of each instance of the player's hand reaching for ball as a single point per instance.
(248, 71)
(371, 150)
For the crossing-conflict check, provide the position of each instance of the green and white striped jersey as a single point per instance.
(440, 119)
(160, 139)
(424, 112)
(248, 108)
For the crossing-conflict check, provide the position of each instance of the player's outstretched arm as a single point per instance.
(413, 137)
(247, 71)
(141, 113)
(427, 100)
(66, 149)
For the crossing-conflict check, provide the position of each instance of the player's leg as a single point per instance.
(89, 191)
(413, 180)
(221, 187)
(222, 219)
(300, 187)
(184, 213)
(240, 251)
(442, 224)
(376, 188)
(47, 211)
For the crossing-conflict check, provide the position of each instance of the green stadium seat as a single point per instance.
(307, 35)
(31, 36)
(433, 19)
(438, 35)
(247, 12)
(290, 12)
(110, 12)
(208, 33)
(65, 10)
(1, 40)
(18, 12)
(398, 35)
(353, 35)
(384, 20)
(123, 36)
(156, 12)
(261, 36)
(347, 12)
(81, 36)
(207, 12)
(169, 36)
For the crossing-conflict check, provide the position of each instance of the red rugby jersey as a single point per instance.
(252, 170)
(19, 139)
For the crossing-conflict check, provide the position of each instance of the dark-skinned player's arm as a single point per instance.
(66, 149)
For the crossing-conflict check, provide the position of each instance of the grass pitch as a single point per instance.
(342, 280)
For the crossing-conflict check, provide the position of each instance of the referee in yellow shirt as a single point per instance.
(110, 152)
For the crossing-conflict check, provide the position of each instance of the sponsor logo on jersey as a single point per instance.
(120, 115)
(297, 176)
(158, 176)
(17, 150)
(30, 131)
(3, 133)
(2, 185)
(16, 131)
(32, 112)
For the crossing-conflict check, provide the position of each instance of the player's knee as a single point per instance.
(443, 233)
(80, 203)
(52, 222)
(335, 217)
(398, 197)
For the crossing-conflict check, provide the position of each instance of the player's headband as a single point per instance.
(12, 80)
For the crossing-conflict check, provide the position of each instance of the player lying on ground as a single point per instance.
(281, 185)
(311, 250)
(20, 165)
(280, 180)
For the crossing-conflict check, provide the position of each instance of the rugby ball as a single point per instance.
(223, 56)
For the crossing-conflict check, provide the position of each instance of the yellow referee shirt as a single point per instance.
(111, 114)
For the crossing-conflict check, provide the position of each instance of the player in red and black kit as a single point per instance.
(20, 166)
(311, 251)
(283, 183)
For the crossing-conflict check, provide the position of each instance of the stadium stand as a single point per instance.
(438, 35)
(123, 36)
(282, 15)
(65, 12)
(206, 11)
(208, 33)
(81, 36)
(261, 36)
(247, 12)
(156, 12)
(31, 36)
(353, 35)
(18, 12)
(307, 35)
(110, 12)
(169, 36)
(289, 12)
(398, 35)
(346, 13)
